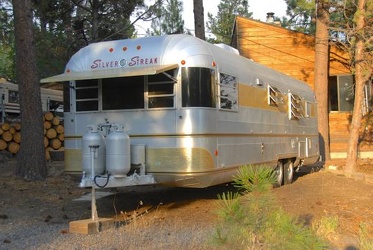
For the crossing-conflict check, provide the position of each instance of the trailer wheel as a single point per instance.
(279, 170)
(288, 172)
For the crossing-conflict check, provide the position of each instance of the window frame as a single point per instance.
(172, 79)
(235, 106)
(295, 107)
(274, 96)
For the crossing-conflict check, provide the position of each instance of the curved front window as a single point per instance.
(198, 87)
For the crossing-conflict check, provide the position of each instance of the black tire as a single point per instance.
(288, 172)
(279, 170)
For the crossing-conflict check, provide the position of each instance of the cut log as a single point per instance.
(46, 142)
(51, 133)
(48, 116)
(59, 129)
(17, 137)
(17, 126)
(12, 130)
(1, 131)
(56, 121)
(5, 126)
(47, 154)
(3, 144)
(7, 136)
(61, 137)
(13, 147)
(55, 143)
(47, 124)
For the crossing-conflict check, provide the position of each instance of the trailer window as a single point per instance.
(228, 92)
(87, 95)
(274, 96)
(123, 93)
(295, 107)
(66, 97)
(161, 90)
(198, 87)
(13, 96)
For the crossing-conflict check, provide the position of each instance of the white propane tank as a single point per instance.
(93, 137)
(118, 161)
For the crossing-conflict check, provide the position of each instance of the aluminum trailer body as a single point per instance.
(201, 110)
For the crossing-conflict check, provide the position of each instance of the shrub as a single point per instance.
(252, 219)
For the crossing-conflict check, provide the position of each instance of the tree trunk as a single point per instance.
(95, 21)
(321, 77)
(31, 163)
(360, 80)
(199, 20)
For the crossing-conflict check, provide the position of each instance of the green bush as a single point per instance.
(366, 243)
(251, 219)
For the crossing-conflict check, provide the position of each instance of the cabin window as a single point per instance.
(123, 93)
(198, 87)
(86, 95)
(341, 93)
(295, 106)
(161, 90)
(228, 92)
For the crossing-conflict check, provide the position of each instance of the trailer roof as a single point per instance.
(109, 73)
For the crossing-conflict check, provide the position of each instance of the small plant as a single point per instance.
(366, 243)
(255, 178)
(326, 226)
(253, 220)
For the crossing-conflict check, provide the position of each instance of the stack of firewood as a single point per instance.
(10, 135)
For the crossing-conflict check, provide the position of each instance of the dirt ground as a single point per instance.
(315, 193)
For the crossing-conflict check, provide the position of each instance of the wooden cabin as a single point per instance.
(293, 53)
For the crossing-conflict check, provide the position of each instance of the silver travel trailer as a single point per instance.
(188, 113)
(52, 100)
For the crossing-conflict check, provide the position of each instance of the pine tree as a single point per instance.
(169, 20)
(302, 13)
(31, 163)
(221, 25)
(199, 20)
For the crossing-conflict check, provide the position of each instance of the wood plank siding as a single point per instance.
(293, 53)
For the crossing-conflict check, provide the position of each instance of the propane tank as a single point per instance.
(118, 161)
(93, 137)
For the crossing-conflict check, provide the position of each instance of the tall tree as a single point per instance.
(321, 75)
(98, 20)
(64, 26)
(221, 25)
(302, 14)
(31, 163)
(6, 43)
(199, 19)
(362, 44)
(169, 19)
